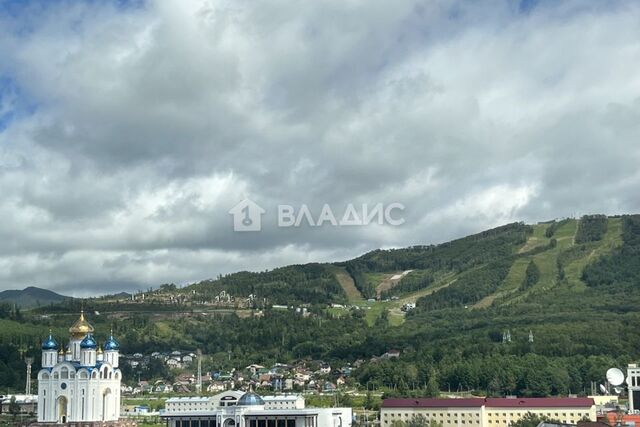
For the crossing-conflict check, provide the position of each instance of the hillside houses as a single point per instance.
(304, 375)
(173, 360)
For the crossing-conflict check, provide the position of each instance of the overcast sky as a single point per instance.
(128, 130)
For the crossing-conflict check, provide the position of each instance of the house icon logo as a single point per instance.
(247, 216)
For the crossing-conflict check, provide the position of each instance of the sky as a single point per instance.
(129, 129)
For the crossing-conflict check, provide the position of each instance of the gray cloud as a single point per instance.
(127, 134)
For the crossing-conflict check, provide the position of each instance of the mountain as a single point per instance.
(502, 266)
(523, 309)
(31, 297)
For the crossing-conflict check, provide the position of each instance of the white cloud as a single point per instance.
(139, 127)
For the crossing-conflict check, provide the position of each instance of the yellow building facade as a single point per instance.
(489, 412)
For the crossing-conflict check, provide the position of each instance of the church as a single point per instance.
(79, 384)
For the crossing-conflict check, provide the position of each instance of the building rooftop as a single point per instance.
(187, 399)
(499, 402)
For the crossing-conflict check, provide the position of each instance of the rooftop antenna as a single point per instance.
(615, 377)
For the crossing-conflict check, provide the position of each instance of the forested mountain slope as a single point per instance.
(572, 284)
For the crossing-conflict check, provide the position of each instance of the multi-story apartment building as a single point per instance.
(486, 412)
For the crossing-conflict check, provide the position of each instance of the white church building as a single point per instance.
(81, 384)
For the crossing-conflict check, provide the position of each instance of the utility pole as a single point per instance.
(199, 385)
(29, 362)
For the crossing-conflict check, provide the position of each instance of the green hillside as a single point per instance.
(572, 284)
(31, 297)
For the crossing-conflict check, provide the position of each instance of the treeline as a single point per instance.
(622, 268)
(295, 284)
(457, 255)
(553, 227)
(414, 281)
(357, 272)
(531, 276)
(13, 369)
(495, 375)
(10, 311)
(469, 288)
(591, 228)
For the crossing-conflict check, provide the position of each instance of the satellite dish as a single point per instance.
(615, 376)
(603, 389)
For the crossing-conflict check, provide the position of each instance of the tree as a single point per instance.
(417, 421)
(368, 401)
(532, 420)
(531, 276)
(433, 388)
(14, 408)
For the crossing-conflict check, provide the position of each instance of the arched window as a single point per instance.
(64, 373)
(83, 374)
(44, 376)
(56, 375)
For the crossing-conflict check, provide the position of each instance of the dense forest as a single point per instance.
(575, 295)
(619, 271)
(295, 284)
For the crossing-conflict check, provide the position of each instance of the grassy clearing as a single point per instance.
(444, 281)
(611, 240)
(347, 283)
(510, 284)
(375, 279)
(564, 234)
(536, 239)
(546, 262)
(372, 312)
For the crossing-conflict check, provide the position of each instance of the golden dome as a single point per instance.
(81, 327)
(99, 350)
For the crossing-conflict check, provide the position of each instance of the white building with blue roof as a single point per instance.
(81, 384)
(248, 409)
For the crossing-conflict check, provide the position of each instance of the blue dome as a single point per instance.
(49, 343)
(88, 342)
(111, 344)
(250, 399)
